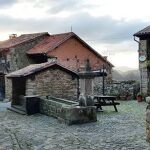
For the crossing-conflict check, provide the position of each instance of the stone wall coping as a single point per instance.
(31, 96)
(85, 107)
(60, 101)
(63, 100)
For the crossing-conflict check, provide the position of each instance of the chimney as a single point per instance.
(12, 36)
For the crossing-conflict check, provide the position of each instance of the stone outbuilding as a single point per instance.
(45, 79)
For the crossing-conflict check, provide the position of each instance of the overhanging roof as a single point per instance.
(34, 68)
(145, 31)
(19, 40)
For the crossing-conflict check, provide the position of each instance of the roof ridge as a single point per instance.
(62, 33)
(34, 33)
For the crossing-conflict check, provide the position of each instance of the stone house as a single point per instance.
(144, 58)
(67, 49)
(13, 51)
(71, 51)
(13, 55)
(45, 79)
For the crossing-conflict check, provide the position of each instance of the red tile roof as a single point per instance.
(145, 31)
(34, 68)
(20, 39)
(52, 42)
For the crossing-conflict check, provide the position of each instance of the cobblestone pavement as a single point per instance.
(124, 130)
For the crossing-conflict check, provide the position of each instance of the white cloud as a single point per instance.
(7, 3)
(120, 9)
(107, 25)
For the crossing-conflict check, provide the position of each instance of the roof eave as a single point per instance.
(42, 68)
(8, 47)
(14, 76)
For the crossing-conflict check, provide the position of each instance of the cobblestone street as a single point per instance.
(124, 130)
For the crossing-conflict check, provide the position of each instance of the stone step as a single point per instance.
(17, 110)
(20, 107)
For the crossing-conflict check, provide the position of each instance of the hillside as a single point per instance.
(127, 75)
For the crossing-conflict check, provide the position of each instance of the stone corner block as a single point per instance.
(148, 99)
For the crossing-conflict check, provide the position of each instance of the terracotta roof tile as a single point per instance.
(50, 43)
(20, 39)
(145, 31)
(36, 68)
(54, 41)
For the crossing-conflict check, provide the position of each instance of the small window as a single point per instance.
(67, 59)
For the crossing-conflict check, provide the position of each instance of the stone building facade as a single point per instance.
(144, 59)
(13, 56)
(71, 51)
(17, 56)
(56, 83)
(67, 48)
(13, 51)
(46, 79)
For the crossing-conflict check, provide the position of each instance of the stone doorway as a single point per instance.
(18, 89)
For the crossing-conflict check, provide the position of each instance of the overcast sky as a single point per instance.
(107, 25)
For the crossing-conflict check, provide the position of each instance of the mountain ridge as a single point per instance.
(126, 75)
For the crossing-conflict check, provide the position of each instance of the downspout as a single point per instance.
(136, 41)
(139, 67)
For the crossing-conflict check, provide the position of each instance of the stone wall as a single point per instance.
(143, 67)
(98, 85)
(18, 59)
(52, 82)
(17, 56)
(8, 88)
(124, 90)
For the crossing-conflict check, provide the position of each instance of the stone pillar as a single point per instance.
(86, 86)
(82, 86)
(148, 120)
(89, 86)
